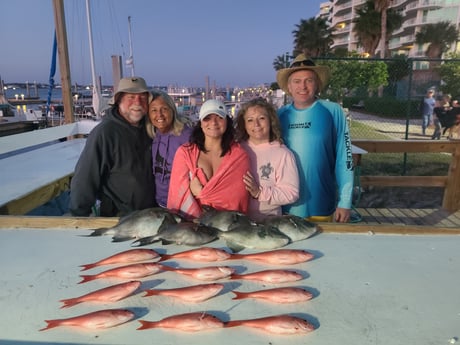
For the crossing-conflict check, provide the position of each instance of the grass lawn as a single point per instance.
(397, 164)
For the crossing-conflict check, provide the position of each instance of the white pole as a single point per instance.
(96, 92)
(130, 60)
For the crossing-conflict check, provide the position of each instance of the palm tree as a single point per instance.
(282, 61)
(368, 26)
(313, 37)
(382, 7)
(439, 37)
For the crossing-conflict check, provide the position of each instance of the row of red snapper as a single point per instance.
(135, 268)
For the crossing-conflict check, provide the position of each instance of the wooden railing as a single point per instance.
(450, 183)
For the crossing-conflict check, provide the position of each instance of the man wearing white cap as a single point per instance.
(317, 132)
(115, 166)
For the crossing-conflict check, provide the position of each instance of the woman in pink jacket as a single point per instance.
(273, 179)
(209, 170)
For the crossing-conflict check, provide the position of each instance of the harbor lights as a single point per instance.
(22, 96)
(16, 96)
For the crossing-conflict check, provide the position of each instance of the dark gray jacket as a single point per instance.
(115, 167)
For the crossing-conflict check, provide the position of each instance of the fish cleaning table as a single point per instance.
(368, 289)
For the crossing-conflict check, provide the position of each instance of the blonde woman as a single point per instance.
(168, 132)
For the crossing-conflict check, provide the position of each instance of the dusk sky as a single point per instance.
(180, 42)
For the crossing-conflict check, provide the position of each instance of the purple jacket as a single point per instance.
(164, 147)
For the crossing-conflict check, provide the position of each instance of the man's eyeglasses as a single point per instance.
(302, 63)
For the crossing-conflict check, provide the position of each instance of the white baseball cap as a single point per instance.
(213, 106)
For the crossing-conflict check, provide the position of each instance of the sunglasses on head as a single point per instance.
(302, 63)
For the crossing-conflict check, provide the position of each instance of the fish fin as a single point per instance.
(87, 278)
(98, 232)
(144, 241)
(51, 324)
(235, 247)
(146, 324)
(121, 238)
(165, 242)
(69, 302)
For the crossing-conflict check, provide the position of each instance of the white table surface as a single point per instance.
(23, 173)
(368, 289)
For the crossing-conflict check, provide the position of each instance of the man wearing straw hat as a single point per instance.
(317, 132)
(115, 166)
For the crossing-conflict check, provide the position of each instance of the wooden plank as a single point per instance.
(451, 199)
(367, 217)
(39, 222)
(403, 181)
(412, 217)
(380, 146)
(42, 222)
(391, 217)
(37, 197)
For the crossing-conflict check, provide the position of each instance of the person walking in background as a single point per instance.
(209, 170)
(273, 179)
(440, 113)
(168, 132)
(427, 109)
(316, 131)
(115, 166)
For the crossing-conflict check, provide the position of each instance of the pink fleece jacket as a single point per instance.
(274, 169)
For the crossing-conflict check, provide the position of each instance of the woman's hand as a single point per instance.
(195, 186)
(251, 185)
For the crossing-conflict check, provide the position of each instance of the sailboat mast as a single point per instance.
(130, 60)
(96, 90)
(64, 66)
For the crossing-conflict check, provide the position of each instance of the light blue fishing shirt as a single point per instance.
(320, 139)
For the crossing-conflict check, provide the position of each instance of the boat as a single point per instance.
(59, 146)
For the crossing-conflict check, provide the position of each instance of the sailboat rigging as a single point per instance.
(96, 92)
(130, 60)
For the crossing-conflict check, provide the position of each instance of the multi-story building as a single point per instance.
(416, 14)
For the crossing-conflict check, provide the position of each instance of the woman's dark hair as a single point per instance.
(197, 137)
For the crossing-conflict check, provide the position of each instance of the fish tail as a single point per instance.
(235, 276)
(235, 256)
(165, 257)
(87, 266)
(69, 302)
(167, 268)
(150, 293)
(51, 324)
(239, 295)
(87, 278)
(233, 323)
(146, 324)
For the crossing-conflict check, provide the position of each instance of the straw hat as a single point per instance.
(129, 85)
(301, 62)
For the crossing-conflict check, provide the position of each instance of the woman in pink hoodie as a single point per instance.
(273, 179)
